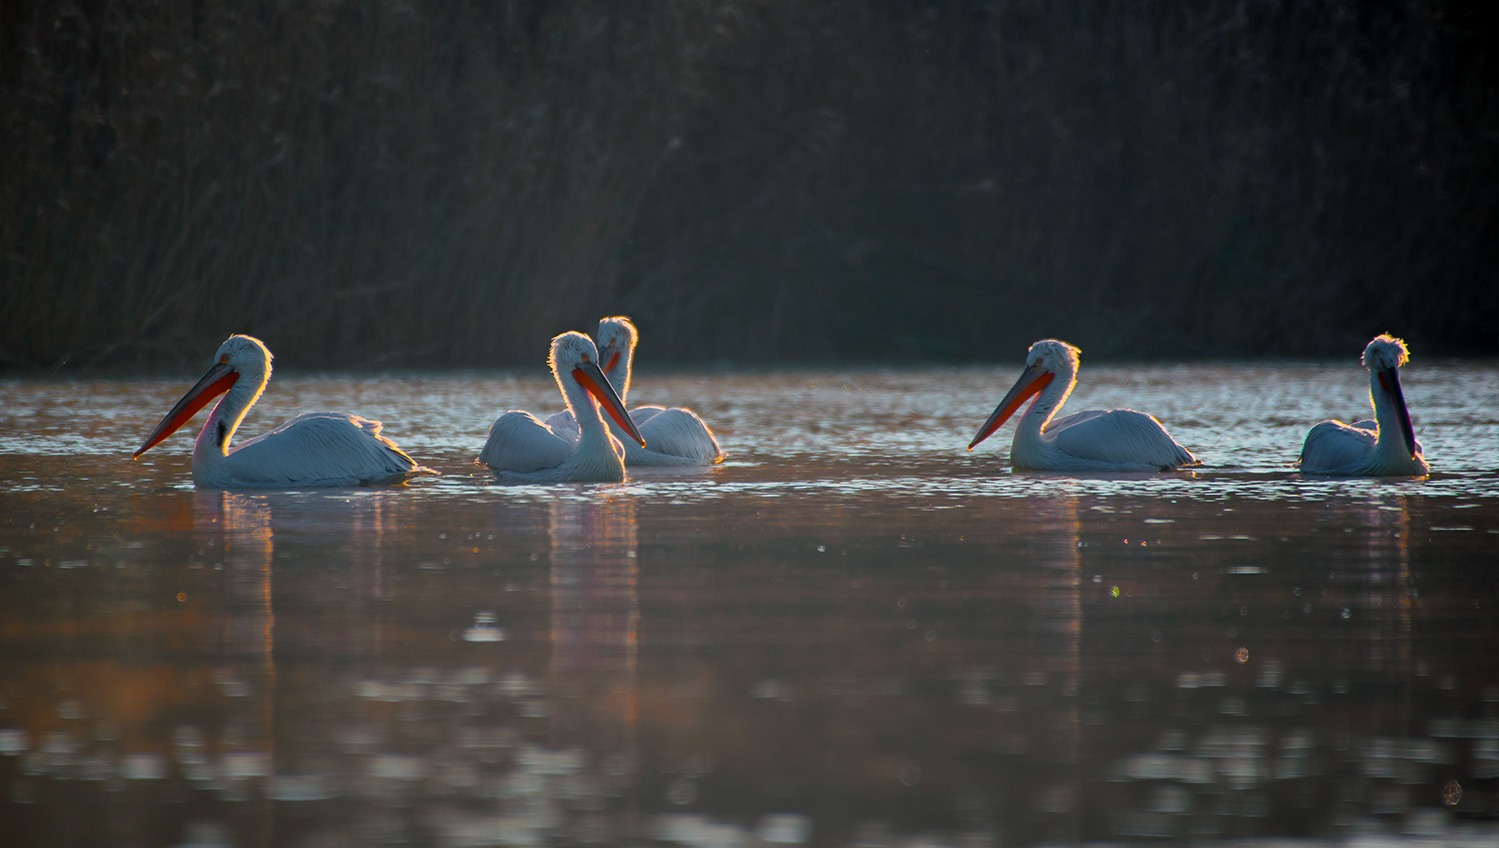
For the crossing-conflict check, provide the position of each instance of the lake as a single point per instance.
(852, 632)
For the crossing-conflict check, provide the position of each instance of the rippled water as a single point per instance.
(853, 632)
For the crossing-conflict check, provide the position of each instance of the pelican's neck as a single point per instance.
(626, 371)
(212, 445)
(593, 435)
(1390, 454)
(1387, 436)
(1033, 424)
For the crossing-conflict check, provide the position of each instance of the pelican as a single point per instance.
(521, 448)
(1371, 448)
(313, 449)
(676, 435)
(1094, 440)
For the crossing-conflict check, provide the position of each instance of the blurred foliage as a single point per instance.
(389, 184)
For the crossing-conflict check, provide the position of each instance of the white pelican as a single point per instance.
(313, 449)
(1094, 440)
(1371, 448)
(675, 435)
(521, 448)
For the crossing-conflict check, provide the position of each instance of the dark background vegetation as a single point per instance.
(435, 182)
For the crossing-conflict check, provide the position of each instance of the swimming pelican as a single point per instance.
(1370, 448)
(521, 448)
(675, 435)
(1094, 440)
(313, 449)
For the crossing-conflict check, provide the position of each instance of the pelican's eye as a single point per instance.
(223, 359)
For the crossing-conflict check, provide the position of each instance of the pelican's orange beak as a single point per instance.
(213, 383)
(591, 378)
(610, 360)
(1032, 381)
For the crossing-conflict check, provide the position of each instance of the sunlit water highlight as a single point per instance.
(853, 632)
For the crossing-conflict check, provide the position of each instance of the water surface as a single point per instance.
(853, 632)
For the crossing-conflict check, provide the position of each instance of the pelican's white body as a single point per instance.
(521, 448)
(1093, 440)
(310, 450)
(313, 449)
(673, 435)
(1372, 447)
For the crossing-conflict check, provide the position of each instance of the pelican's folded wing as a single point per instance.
(679, 432)
(1332, 447)
(1121, 436)
(642, 414)
(320, 449)
(519, 441)
(564, 425)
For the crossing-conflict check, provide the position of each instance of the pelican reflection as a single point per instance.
(1053, 667)
(595, 606)
(234, 530)
(235, 537)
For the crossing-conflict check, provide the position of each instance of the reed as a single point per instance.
(394, 184)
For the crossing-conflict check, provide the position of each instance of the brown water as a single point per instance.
(852, 633)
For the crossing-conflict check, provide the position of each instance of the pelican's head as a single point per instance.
(617, 338)
(1053, 356)
(1385, 353)
(246, 356)
(239, 357)
(570, 350)
(1046, 360)
(1383, 357)
(574, 357)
